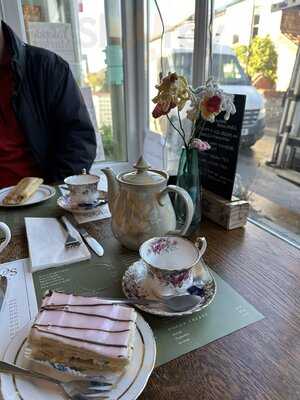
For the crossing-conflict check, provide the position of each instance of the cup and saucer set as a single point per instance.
(82, 194)
(170, 266)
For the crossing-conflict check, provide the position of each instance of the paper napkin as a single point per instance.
(46, 241)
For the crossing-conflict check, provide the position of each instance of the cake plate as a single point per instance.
(128, 385)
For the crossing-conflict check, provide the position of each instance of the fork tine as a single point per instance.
(79, 396)
(99, 384)
(70, 240)
(95, 395)
(98, 389)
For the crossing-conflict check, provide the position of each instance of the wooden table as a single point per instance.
(261, 361)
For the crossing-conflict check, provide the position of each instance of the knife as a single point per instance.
(92, 242)
(3, 287)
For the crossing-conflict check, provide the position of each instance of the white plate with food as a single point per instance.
(26, 194)
(128, 382)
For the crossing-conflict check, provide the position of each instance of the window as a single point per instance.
(267, 51)
(256, 19)
(177, 56)
(235, 38)
(87, 34)
(227, 69)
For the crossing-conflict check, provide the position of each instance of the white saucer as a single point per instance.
(43, 193)
(65, 203)
(137, 284)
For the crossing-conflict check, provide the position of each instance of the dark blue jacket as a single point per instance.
(50, 109)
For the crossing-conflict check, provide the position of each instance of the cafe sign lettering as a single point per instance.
(56, 37)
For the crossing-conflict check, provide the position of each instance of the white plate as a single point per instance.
(137, 284)
(128, 387)
(43, 193)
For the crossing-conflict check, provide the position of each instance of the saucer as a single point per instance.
(137, 284)
(65, 203)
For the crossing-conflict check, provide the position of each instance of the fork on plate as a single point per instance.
(77, 389)
(71, 241)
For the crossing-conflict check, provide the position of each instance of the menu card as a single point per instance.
(19, 306)
(218, 165)
(174, 336)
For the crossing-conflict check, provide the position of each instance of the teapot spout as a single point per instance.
(113, 187)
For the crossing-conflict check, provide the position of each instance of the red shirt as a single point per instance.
(16, 160)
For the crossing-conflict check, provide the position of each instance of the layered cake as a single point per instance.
(85, 333)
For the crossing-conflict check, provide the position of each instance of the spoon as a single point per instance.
(173, 303)
(3, 287)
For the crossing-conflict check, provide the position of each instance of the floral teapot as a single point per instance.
(141, 207)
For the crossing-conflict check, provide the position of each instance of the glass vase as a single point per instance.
(188, 178)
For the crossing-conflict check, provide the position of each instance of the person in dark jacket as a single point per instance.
(45, 128)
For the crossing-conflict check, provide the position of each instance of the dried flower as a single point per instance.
(199, 144)
(210, 100)
(172, 92)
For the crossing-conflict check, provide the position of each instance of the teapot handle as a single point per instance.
(6, 230)
(189, 207)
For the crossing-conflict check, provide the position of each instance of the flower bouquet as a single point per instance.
(202, 104)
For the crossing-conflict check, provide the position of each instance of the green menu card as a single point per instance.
(174, 336)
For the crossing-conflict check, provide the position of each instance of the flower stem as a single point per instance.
(180, 122)
(197, 133)
(177, 130)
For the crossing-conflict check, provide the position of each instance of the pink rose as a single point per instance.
(200, 145)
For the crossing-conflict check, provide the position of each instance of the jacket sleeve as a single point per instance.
(75, 140)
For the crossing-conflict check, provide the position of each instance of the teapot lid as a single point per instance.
(143, 174)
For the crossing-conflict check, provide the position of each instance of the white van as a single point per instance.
(227, 70)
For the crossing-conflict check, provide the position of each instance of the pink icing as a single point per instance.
(76, 320)
(101, 327)
(115, 311)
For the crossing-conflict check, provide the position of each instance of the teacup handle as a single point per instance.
(189, 207)
(7, 233)
(64, 187)
(201, 243)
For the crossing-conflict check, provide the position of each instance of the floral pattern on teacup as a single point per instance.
(162, 245)
(173, 278)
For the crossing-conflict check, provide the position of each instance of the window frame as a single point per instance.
(136, 73)
(201, 56)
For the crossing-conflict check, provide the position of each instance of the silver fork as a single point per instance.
(70, 241)
(77, 389)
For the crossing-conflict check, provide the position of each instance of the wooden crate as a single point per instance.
(229, 214)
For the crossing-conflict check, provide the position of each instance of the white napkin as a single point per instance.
(46, 241)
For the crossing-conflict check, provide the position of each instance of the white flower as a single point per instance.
(210, 100)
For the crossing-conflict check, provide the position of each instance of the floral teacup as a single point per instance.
(170, 261)
(83, 189)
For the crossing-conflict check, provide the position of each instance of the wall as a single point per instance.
(286, 49)
(237, 20)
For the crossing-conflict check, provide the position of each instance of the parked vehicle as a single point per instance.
(227, 70)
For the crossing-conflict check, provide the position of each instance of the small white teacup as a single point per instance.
(83, 189)
(170, 261)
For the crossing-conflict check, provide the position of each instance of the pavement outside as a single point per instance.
(275, 202)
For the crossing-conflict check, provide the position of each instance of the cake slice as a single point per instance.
(84, 333)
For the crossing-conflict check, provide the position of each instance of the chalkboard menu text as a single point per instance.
(218, 165)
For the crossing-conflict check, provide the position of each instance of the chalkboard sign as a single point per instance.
(218, 165)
